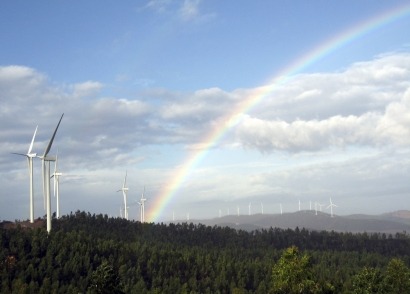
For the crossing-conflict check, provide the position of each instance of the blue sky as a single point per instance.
(142, 82)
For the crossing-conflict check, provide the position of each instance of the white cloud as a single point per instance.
(367, 104)
(89, 88)
(365, 107)
(189, 9)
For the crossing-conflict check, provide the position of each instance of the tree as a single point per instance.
(368, 280)
(397, 277)
(292, 274)
(104, 280)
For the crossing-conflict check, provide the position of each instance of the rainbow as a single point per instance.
(234, 117)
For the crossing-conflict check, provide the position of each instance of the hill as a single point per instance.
(385, 223)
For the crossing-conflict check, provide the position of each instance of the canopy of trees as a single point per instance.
(87, 253)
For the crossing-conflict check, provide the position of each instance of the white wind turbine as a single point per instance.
(237, 209)
(331, 205)
(124, 193)
(30, 157)
(46, 174)
(142, 204)
(249, 208)
(56, 176)
(299, 204)
(281, 211)
(320, 206)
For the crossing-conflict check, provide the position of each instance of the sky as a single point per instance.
(213, 107)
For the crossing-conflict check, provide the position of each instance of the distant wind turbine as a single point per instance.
(299, 204)
(331, 205)
(237, 209)
(281, 211)
(262, 207)
(30, 157)
(124, 190)
(143, 206)
(249, 208)
(56, 176)
(46, 174)
(320, 206)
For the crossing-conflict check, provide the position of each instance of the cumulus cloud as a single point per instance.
(367, 104)
(89, 88)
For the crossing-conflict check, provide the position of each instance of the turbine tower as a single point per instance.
(331, 205)
(56, 176)
(30, 157)
(124, 193)
(46, 174)
(299, 204)
(281, 211)
(249, 208)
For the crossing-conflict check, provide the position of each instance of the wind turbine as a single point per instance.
(237, 209)
(46, 174)
(281, 211)
(331, 205)
(249, 208)
(56, 176)
(124, 193)
(143, 206)
(30, 156)
(299, 204)
(320, 206)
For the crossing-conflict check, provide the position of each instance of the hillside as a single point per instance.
(386, 223)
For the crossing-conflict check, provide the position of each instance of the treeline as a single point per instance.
(87, 253)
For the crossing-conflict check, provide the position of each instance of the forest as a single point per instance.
(88, 253)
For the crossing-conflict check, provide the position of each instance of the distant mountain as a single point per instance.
(393, 222)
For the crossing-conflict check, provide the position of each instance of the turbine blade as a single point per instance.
(55, 163)
(52, 138)
(19, 154)
(55, 185)
(32, 141)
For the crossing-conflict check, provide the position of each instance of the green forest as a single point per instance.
(87, 253)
